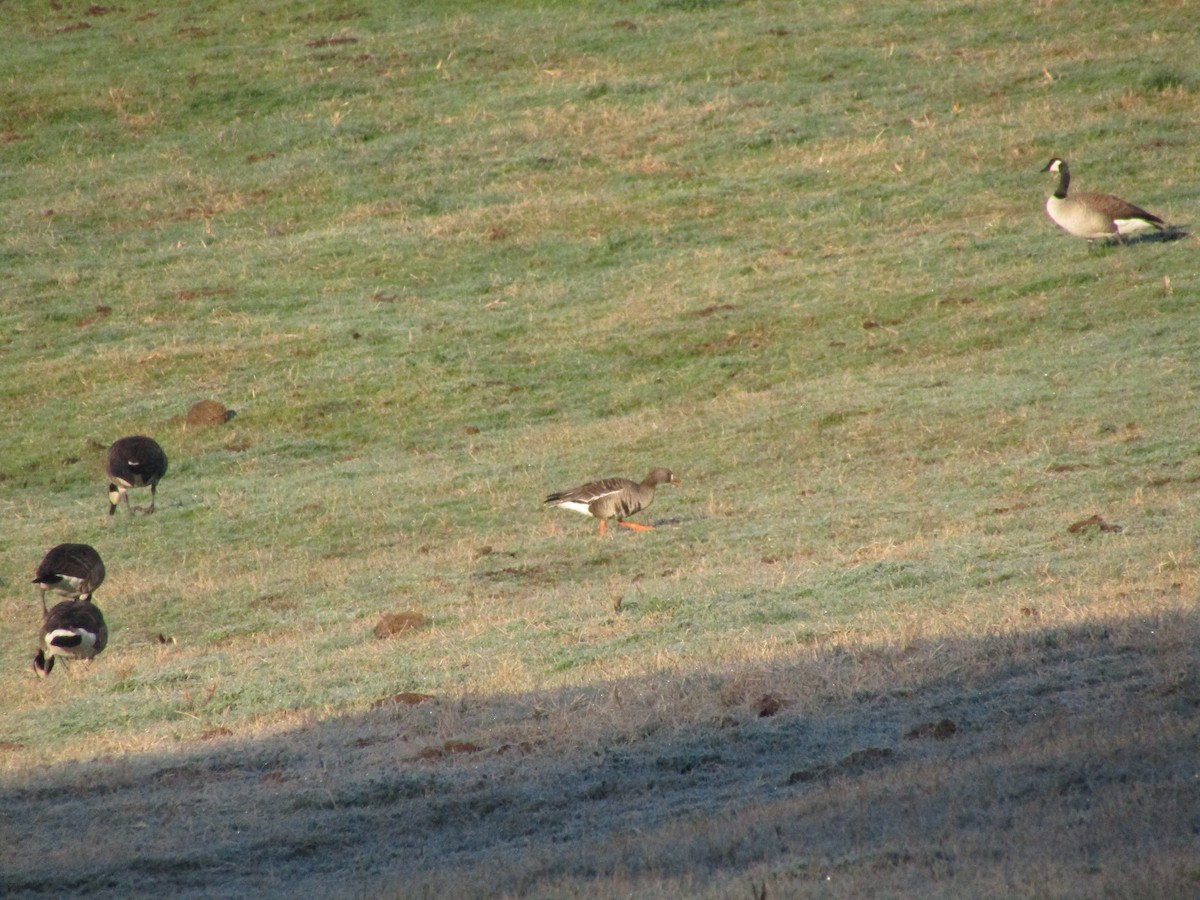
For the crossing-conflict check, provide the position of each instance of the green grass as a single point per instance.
(443, 261)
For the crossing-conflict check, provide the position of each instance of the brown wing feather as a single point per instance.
(73, 560)
(70, 614)
(592, 491)
(1115, 207)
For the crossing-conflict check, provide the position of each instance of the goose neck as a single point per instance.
(1064, 181)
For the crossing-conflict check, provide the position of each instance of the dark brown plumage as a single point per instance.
(135, 461)
(72, 569)
(613, 498)
(72, 629)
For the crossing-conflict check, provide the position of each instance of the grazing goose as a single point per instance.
(134, 462)
(72, 629)
(72, 569)
(1094, 216)
(613, 498)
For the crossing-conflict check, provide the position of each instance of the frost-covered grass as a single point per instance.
(444, 261)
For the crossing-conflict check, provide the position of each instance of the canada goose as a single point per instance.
(72, 629)
(613, 498)
(72, 569)
(1094, 216)
(134, 462)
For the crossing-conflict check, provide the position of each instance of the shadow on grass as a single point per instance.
(1168, 235)
(1060, 761)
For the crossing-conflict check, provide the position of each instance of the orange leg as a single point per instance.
(603, 522)
(634, 526)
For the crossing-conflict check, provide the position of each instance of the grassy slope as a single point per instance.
(444, 262)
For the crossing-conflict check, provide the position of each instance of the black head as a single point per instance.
(42, 664)
(1055, 165)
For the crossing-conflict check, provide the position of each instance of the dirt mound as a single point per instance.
(208, 412)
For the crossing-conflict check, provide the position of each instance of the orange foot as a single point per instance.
(634, 526)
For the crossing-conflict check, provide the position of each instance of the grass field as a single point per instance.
(443, 260)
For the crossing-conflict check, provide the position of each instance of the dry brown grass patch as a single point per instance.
(392, 624)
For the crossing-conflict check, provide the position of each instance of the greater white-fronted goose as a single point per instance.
(1094, 216)
(72, 569)
(613, 498)
(72, 629)
(135, 461)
